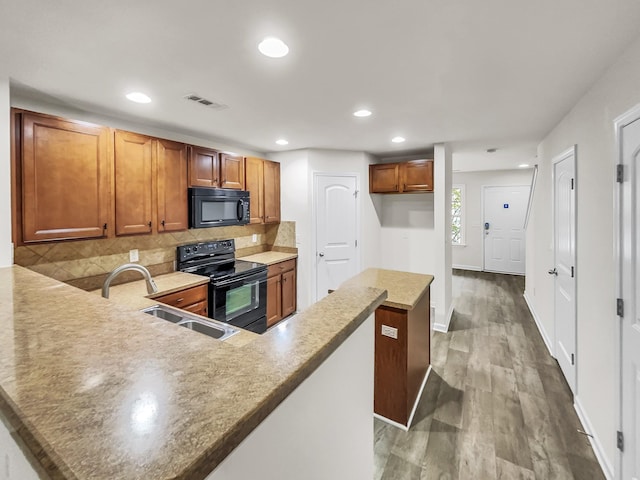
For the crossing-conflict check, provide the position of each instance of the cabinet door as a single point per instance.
(204, 167)
(133, 160)
(172, 186)
(274, 299)
(417, 176)
(271, 192)
(383, 178)
(65, 179)
(288, 293)
(232, 171)
(254, 179)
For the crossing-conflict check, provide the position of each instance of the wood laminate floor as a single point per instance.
(496, 405)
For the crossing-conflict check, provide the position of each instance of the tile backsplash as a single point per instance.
(86, 263)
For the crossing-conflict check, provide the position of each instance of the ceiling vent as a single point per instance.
(207, 103)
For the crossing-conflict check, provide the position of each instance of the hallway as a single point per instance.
(496, 405)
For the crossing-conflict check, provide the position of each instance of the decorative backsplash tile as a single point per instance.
(86, 263)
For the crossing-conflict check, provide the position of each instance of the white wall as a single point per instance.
(296, 175)
(589, 125)
(469, 256)
(6, 246)
(442, 285)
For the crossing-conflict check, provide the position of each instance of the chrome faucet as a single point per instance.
(151, 285)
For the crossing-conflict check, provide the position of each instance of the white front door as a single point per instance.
(564, 248)
(630, 294)
(504, 235)
(336, 227)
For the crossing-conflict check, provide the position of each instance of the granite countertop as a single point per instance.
(98, 390)
(134, 294)
(404, 289)
(269, 258)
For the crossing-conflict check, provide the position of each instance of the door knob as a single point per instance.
(321, 254)
(553, 272)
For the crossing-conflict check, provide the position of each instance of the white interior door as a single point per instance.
(564, 247)
(504, 237)
(630, 278)
(336, 231)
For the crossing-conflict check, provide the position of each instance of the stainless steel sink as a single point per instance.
(212, 328)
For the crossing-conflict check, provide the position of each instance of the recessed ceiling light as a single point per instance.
(362, 113)
(398, 139)
(523, 165)
(282, 141)
(273, 47)
(138, 97)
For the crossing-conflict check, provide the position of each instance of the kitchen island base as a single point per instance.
(322, 430)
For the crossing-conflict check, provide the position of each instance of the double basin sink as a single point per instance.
(212, 328)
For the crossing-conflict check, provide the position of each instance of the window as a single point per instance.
(457, 215)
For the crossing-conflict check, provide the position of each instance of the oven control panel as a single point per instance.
(205, 249)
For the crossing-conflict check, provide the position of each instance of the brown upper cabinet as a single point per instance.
(204, 167)
(61, 178)
(172, 186)
(209, 168)
(262, 180)
(139, 196)
(403, 177)
(231, 171)
(133, 169)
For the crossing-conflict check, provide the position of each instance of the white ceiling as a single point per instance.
(477, 74)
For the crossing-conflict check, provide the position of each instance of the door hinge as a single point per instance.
(573, 359)
(620, 173)
(572, 272)
(620, 440)
(572, 184)
(620, 307)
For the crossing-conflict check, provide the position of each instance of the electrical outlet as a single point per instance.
(254, 238)
(133, 255)
(388, 331)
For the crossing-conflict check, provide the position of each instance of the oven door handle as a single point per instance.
(261, 277)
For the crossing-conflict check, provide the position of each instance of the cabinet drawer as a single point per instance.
(199, 308)
(188, 296)
(278, 268)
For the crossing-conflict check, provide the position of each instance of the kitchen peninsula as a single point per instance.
(92, 388)
(402, 341)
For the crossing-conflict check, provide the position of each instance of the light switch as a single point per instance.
(388, 331)
(133, 255)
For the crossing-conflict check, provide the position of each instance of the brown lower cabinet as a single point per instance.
(281, 291)
(401, 363)
(193, 299)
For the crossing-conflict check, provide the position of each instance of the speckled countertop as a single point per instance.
(134, 294)
(98, 390)
(404, 289)
(269, 258)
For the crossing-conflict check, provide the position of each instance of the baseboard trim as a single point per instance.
(413, 410)
(444, 327)
(536, 318)
(606, 466)
(467, 267)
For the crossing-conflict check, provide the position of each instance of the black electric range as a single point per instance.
(237, 289)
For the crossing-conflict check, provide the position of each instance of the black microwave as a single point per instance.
(217, 207)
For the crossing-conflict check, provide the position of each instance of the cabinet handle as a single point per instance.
(149, 224)
(405, 186)
(104, 227)
(180, 300)
(395, 187)
(162, 223)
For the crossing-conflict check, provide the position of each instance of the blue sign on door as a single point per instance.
(506, 205)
